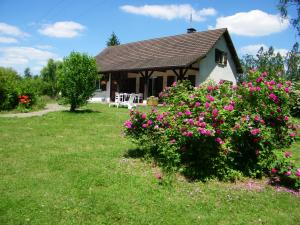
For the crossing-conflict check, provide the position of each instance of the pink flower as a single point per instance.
(128, 124)
(215, 113)
(159, 117)
(210, 88)
(270, 88)
(257, 118)
(272, 82)
(210, 98)
(287, 154)
(286, 90)
(149, 122)
(197, 104)
(234, 87)
(258, 88)
(252, 89)
(264, 74)
(145, 125)
(288, 83)
(192, 96)
(298, 172)
(219, 140)
(208, 133)
(179, 113)
(273, 97)
(250, 84)
(286, 118)
(181, 103)
(255, 131)
(191, 121)
(188, 112)
(172, 141)
(144, 116)
(288, 173)
(279, 85)
(174, 84)
(292, 134)
(221, 81)
(207, 105)
(228, 107)
(273, 170)
(156, 127)
(258, 80)
(158, 176)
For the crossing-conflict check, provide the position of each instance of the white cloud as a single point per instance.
(22, 57)
(63, 29)
(253, 49)
(8, 40)
(253, 23)
(170, 12)
(7, 29)
(44, 47)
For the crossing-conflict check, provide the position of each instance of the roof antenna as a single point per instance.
(191, 29)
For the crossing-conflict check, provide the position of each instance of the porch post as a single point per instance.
(137, 84)
(146, 82)
(108, 88)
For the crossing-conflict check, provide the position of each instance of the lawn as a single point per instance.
(70, 168)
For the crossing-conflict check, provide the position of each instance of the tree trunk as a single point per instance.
(73, 108)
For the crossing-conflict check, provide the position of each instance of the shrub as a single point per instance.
(218, 130)
(8, 88)
(76, 79)
(295, 100)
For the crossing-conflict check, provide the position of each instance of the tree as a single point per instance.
(27, 73)
(9, 82)
(284, 7)
(76, 79)
(113, 40)
(293, 63)
(265, 60)
(49, 76)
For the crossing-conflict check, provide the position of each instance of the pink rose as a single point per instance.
(144, 116)
(287, 154)
(188, 112)
(197, 104)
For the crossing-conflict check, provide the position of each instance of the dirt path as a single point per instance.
(53, 107)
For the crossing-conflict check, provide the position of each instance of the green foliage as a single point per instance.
(295, 100)
(285, 6)
(76, 79)
(267, 61)
(49, 76)
(293, 63)
(219, 130)
(27, 73)
(9, 80)
(113, 40)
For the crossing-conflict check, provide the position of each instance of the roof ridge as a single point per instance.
(172, 36)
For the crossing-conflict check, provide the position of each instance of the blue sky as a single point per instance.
(32, 31)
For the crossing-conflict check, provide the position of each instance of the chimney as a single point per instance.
(191, 30)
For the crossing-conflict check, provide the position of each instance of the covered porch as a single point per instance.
(149, 82)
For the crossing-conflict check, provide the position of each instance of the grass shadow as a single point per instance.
(82, 111)
(135, 153)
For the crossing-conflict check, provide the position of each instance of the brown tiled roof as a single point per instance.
(162, 53)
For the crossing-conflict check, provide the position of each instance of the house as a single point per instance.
(148, 66)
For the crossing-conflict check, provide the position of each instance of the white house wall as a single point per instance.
(210, 70)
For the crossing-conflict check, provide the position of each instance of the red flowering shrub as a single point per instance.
(24, 103)
(218, 130)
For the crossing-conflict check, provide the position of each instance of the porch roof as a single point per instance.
(171, 52)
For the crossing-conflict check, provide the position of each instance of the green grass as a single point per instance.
(69, 168)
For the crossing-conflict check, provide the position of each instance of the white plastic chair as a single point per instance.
(130, 103)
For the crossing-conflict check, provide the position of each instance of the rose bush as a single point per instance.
(218, 130)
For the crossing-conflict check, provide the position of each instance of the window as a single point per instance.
(220, 57)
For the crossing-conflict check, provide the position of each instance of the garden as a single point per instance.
(218, 153)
